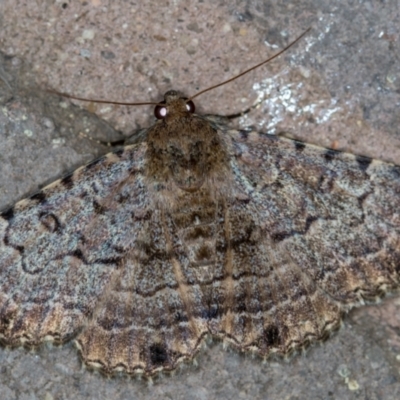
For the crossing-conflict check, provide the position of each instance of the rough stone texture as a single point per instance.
(339, 88)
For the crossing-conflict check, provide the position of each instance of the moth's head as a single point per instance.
(174, 105)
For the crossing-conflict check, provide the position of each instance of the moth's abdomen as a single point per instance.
(197, 225)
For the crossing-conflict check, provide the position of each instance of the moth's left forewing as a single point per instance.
(325, 236)
(325, 201)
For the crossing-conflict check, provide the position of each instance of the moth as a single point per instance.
(198, 230)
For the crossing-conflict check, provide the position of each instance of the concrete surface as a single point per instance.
(338, 87)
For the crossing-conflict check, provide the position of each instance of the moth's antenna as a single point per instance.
(147, 103)
(68, 96)
(251, 69)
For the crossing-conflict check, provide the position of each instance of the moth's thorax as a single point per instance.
(185, 153)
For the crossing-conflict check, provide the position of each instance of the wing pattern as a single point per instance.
(199, 230)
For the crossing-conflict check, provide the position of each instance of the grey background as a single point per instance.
(340, 87)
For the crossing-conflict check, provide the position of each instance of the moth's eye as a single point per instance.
(160, 112)
(190, 106)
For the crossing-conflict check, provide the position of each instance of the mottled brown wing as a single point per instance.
(146, 321)
(322, 235)
(61, 248)
(88, 258)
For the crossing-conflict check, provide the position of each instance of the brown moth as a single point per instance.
(198, 230)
